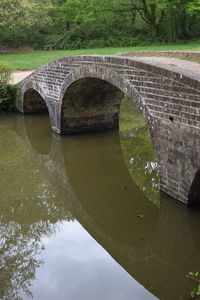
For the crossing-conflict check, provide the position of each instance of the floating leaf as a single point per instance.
(140, 216)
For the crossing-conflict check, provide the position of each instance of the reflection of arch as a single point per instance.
(38, 130)
(61, 163)
(30, 135)
(87, 80)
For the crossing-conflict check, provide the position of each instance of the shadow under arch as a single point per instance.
(34, 100)
(90, 104)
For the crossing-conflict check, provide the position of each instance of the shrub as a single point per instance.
(5, 73)
(8, 92)
(8, 96)
(72, 41)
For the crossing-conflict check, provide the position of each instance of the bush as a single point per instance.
(8, 96)
(8, 92)
(67, 41)
(5, 73)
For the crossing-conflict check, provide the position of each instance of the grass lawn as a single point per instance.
(35, 59)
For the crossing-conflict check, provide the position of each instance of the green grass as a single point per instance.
(35, 59)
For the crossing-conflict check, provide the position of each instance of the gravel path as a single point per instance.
(17, 76)
(173, 62)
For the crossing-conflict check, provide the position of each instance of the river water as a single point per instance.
(81, 217)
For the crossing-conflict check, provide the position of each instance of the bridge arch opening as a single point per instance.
(90, 104)
(34, 102)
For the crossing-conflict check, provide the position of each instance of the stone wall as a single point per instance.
(181, 54)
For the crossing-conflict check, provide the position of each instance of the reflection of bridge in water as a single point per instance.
(157, 250)
(84, 93)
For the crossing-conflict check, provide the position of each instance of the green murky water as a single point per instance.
(81, 217)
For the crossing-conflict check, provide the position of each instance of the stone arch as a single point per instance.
(104, 80)
(32, 98)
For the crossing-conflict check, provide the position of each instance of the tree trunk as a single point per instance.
(154, 31)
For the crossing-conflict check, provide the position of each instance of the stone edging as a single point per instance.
(163, 53)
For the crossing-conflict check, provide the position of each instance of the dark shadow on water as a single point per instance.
(194, 194)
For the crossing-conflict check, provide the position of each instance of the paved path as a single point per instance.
(17, 76)
(174, 62)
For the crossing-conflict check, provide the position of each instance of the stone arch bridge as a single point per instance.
(83, 93)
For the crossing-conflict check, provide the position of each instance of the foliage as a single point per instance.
(20, 17)
(67, 41)
(75, 24)
(8, 95)
(5, 72)
(193, 8)
(195, 277)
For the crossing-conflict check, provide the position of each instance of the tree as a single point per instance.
(19, 17)
(152, 12)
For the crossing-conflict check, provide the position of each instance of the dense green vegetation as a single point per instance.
(8, 96)
(33, 60)
(78, 24)
(8, 92)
